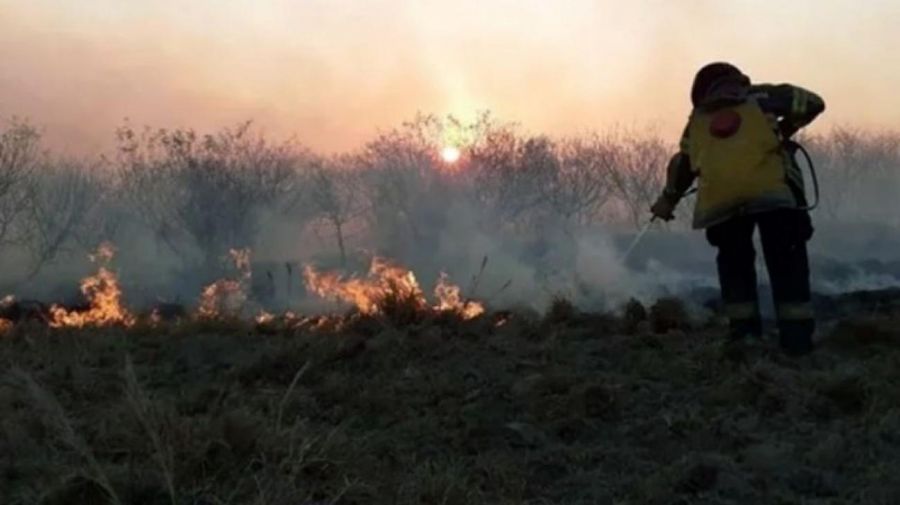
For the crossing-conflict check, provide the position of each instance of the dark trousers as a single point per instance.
(784, 234)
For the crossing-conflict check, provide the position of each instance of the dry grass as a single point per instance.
(560, 409)
(95, 483)
(153, 425)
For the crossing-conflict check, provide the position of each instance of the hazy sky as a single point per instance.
(334, 71)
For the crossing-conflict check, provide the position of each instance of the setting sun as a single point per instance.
(450, 154)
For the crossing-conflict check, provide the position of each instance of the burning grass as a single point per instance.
(411, 400)
(353, 410)
(392, 291)
(389, 291)
(227, 297)
(103, 294)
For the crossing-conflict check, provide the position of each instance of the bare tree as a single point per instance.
(858, 172)
(19, 157)
(580, 187)
(206, 190)
(59, 212)
(513, 174)
(335, 190)
(399, 176)
(639, 173)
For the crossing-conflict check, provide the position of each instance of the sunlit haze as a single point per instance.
(333, 72)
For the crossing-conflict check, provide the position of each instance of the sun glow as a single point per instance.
(450, 154)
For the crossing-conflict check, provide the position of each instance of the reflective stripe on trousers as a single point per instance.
(747, 310)
(794, 311)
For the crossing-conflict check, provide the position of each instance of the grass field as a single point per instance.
(638, 407)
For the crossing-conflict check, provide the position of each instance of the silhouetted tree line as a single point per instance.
(200, 195)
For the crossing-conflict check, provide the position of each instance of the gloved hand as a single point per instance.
(664, 208)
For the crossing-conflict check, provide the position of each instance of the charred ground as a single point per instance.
(641, 406)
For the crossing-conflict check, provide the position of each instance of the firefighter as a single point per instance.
(737, 146)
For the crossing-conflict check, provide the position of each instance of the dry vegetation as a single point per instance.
(190, 198)
(421, 401)
(641, 407)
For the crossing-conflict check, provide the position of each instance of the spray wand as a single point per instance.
(637, 238)
(646, 228)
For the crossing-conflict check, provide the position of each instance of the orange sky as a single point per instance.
(332, 72)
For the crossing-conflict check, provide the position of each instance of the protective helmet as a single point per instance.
(713, 75)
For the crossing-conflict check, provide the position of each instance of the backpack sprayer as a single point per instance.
(792, 147)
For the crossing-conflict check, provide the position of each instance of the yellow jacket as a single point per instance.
(736, 152)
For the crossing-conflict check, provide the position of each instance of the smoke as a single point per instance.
(549, 214)
(519, 221)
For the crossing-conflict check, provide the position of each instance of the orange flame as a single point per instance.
(387, 282)
(264, 318)
(6, 326)
(450, 300)
(104, 253)
(241, 260)
(227, 296)
(367, 295)
(104, 294)
(155, 318)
